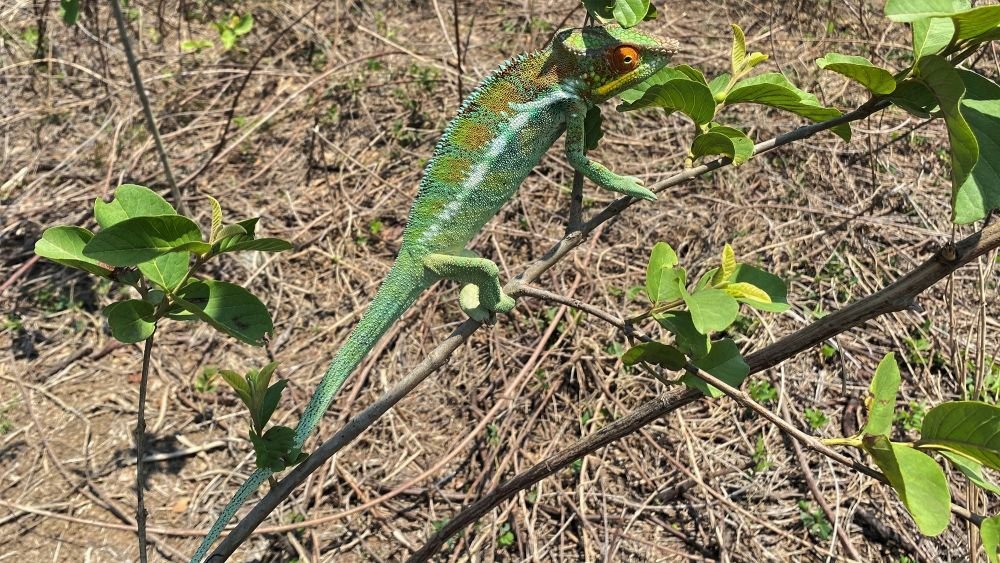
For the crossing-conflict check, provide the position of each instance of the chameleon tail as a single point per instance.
(401, 287)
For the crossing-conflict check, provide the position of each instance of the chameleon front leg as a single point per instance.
(482, 296)
(628, 185)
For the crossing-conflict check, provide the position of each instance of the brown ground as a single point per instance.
(332, 166)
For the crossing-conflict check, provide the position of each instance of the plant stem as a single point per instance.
(133, 66)
(140, 438)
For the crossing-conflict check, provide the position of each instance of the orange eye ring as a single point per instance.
(624, 58)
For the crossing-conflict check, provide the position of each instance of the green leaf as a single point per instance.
(723, 361)
(64, 245)
(860, 70)
(273, 447)
(190, 45)
(167, 270)
(738, 56)
(918, 480)
(691, 73)
(718, 86)
(712, 310)
(742, 290)
(989, 530)
(244, 26)
(773, 89)
(686, 336)
(969, 428)
(881, 399)
(972, 469)
(130, 201)
(592, 132)
(728, 264)
(70, 10)
(662, 76)
(725, 141)
(980, 193)
(931, 35)
(228, 38)
(662, 256)
(131, 321)
(239, 384)
(139, 239)
(198, 247)
(946, 84)
(694, 99)
(770, 283)
(655, 353)
(270, 400)
(229, 308)
(972, 24)
(652, 14)
(601, 9)
(630, 12)
(915, 98)
(216, 219)
(909, 10)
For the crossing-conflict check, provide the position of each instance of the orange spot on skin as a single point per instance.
(468, 134)
(450, 169)
(500, 95)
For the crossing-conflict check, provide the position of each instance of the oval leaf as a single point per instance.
(131, 321)
(970, 428)
(768, 282)
(166, 271)
(909, 10)
(64, 245)
(980, 193)
(712, 310)
(931, 35)
(630, 12)
(229, 308)
(139, 239)
(686, 337)
(773, 89)
(860, 70)
(662, 256)
(691, 98)
(882, 397)
(130, 201)
(655, 353)
(723, 361)
(973, 471)
(918, 480)
(725, 141)
(946, 84)
(976, 22)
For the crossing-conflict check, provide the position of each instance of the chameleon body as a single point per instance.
(501, 132)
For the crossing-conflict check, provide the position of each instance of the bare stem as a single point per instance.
(147, 111)
(140, 441)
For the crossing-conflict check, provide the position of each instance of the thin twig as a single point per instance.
(133, 66)
(140, 439)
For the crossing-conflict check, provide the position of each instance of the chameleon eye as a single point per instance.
(624, 58)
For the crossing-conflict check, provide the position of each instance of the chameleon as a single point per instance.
(501, 131)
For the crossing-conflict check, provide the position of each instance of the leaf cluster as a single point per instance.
(693, 313)
(275, 446)
(966, 433)
(143, 243)
(627, 13)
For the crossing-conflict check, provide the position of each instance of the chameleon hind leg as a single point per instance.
(481, 296)
(597, 172)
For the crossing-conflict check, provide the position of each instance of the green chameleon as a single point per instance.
(500, 133)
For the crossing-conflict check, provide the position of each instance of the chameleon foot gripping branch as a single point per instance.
(501, 132)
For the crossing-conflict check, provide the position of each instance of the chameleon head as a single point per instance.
(609, 60)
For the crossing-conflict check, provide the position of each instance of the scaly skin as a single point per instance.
(500, 133)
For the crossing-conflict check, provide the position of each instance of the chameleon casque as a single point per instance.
(502, 130)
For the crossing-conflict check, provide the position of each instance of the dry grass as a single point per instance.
(333, 166)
